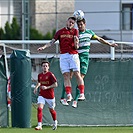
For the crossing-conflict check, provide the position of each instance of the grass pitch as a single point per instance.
(70, 130)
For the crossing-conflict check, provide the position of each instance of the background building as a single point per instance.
(6, 11)
(112, 18)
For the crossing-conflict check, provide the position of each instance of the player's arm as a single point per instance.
(101, 40)
(37, 86)
(76, 42)
(55, 84)
(76, 39)
(47, 45)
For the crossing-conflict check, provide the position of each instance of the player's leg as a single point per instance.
(51, 105)
(77, 94)
(9, 94)
(67, 84)
(63, 100)
(75, 66)
(9, 100)
(84, 63)
(65, 69)
(80, 82)
(41, 103)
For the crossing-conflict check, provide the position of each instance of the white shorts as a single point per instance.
(49, 102)
(69, 62)
(9, 94)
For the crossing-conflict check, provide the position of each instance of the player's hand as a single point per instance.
(76, 39)
(44, 87)
(41, 48)
(114, 45)
(35, 91)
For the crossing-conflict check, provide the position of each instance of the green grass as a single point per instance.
(48, 129)
(70, 130)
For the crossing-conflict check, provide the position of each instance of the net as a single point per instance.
(108, 84)
(108, 92)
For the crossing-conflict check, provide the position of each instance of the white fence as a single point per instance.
(124, 49)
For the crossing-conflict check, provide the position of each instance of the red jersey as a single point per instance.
(66, 40)
(47, 79)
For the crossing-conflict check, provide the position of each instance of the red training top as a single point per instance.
(47, 79)
(66, 40)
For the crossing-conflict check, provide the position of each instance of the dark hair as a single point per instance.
(45, 61)
(82, 20)
(73, 18)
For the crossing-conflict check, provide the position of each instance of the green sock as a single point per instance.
(63, 92)
(77, 94)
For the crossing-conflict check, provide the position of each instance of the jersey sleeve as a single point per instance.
(53, 78)
(93, 34)
(38, 78)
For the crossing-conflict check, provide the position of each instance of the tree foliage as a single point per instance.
(13, 32)
(1, 34)
(15, 29)
(10, 31)
(35, 34)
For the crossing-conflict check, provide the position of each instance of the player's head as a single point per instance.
(45, 61)
(81, 24)
(70, 22)
(45, 66)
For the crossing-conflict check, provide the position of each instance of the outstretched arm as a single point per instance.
(101, 40)
(47, 45)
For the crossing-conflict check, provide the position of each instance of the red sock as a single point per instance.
(53, 113)
(81, 88)
(39, 114)
(8, 101)
(68, 89)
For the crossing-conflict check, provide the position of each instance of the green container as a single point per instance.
(20, 88)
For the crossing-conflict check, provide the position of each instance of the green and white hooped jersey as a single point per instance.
(84, 40)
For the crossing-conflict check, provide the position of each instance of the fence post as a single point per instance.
(112, 52)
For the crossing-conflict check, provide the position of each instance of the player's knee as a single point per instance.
(51, 109)
(66, 76)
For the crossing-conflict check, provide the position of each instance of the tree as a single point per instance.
(48, 36)
(15, 28)
(8, 32)
(35, 34)
(1, 34)
(13, 32)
